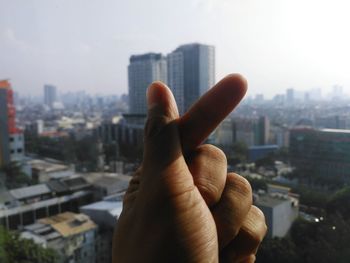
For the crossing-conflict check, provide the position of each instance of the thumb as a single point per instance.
(161, 138)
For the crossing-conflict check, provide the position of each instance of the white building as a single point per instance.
(280, 208)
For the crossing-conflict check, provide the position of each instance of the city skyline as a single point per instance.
(274, 45)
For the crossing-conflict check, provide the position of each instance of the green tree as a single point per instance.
(15, 177)
(238, 154)
(339, 202)
(13, 249)
(278, 250)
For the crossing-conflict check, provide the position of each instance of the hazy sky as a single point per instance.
(86, 44)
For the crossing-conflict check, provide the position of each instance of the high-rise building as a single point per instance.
(290, 96)
(142, 71)
(191, 72)
(50, 95)
(262, 131)
(11, 138)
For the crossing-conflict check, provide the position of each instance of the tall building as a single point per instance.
(50, 95)
(142, 71)
(11, 138)
(262, 131)
(191, 72)
(290, 96)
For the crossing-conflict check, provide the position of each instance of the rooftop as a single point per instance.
(256, 147)
(47, 166)
(68, 223)
(270, 200)
(335, 130)
(42, 204)
(30, 191)
(113, 207)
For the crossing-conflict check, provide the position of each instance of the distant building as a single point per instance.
(260, 151)
(142, 71)
(11, 138)
(333, 122)
(50, 95)
(223, 135)
(191, 72)
(280, 208)
(72, 236)
(252, 131)
(290, 95)
(262, 131)
(323, 153)
(259, 98)
(280, 136)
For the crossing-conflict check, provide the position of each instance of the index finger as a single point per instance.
(207, 113)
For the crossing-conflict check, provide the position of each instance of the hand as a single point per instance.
(181, 205)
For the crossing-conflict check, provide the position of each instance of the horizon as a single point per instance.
(275, 45)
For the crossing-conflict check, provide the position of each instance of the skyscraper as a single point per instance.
(11, 138)
(290, 95)
(191, 72)
(142, 71)
(50, 95)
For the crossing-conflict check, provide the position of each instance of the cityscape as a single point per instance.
(66, 161)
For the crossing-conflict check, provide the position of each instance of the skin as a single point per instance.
(181, 205)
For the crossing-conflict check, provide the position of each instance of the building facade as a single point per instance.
(142, 71)
(50, 95)
(11, 137)
(321, 154)
(280, 207)
(72, 236)
(252, 131)
(191, 72)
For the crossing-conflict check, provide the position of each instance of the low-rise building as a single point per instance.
(72, 236)
(105, 214)
(280, 208)
(106, 184)
(15, 214)
(45, 170)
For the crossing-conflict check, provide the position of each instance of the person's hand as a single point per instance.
(181, 205)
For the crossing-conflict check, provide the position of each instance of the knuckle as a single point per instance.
(260, 229)
(210, 192)
(239, 184)
(213, 152)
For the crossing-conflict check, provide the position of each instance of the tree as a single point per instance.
(15, 177)
(13, 249)
(238, 154)
(278, 250)
(340, 203)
